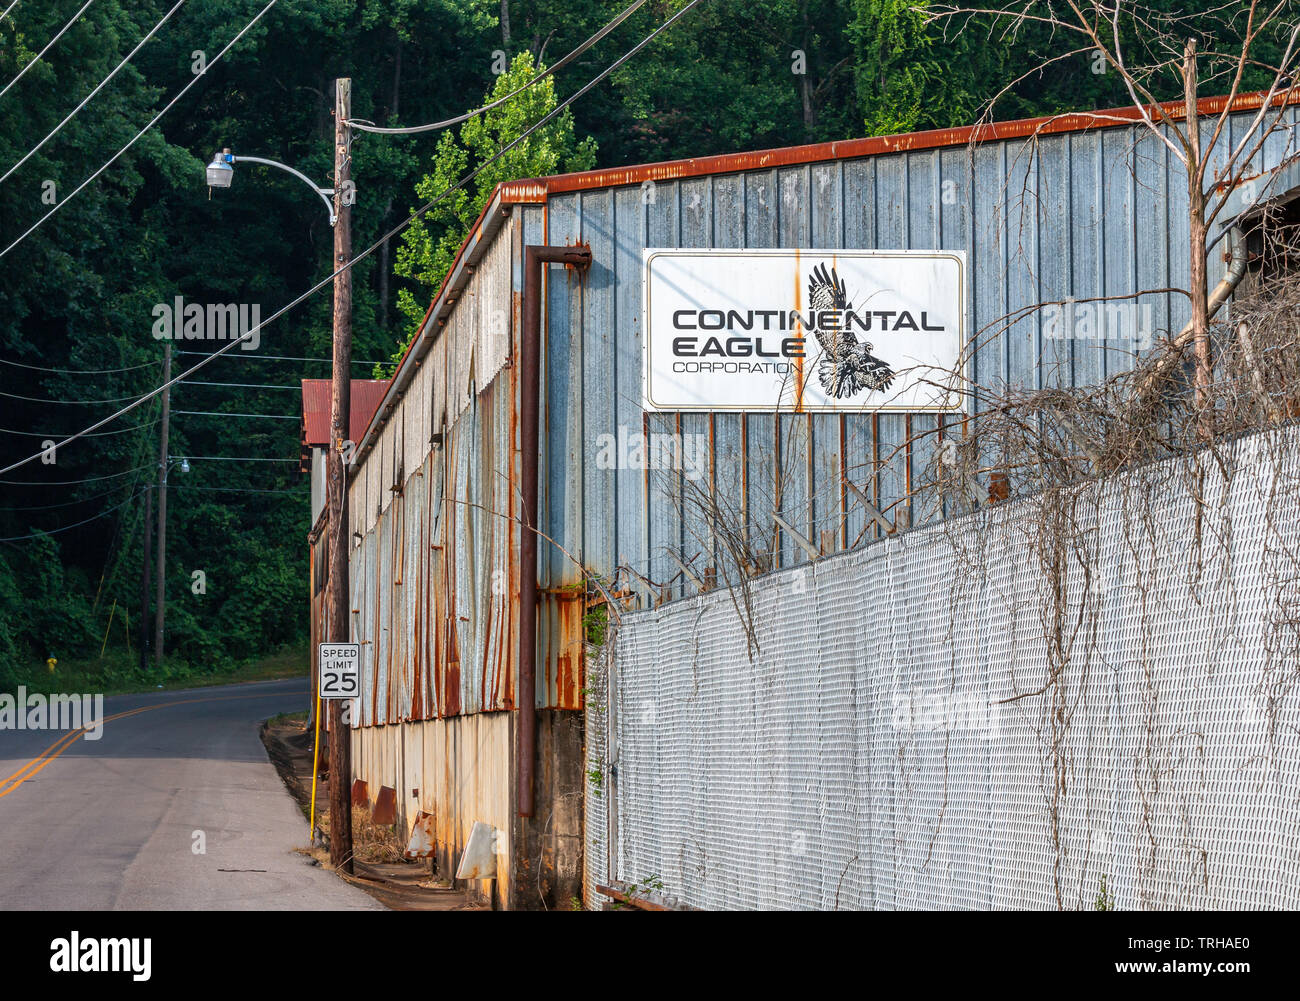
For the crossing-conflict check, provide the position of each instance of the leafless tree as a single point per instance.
(1159, 53)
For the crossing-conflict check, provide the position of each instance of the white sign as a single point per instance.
(339, 670)
(856, 330)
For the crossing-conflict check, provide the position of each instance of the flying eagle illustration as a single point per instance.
(847, 366)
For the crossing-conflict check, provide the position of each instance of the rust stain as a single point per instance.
(451, 697)
(802, 334)
(568, 643)
(505, 695)
(423, 842)
(844, 490)
(875, 469)
(999, 487)
(907, 457)
(385, 811)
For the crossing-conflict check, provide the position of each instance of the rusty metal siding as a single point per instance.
(1072, 215)
(438, 548)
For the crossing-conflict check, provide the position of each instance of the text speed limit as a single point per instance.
(339, 672)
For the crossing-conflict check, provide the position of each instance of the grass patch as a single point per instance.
(120, 674)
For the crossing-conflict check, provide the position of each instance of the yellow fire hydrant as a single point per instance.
(51, 662)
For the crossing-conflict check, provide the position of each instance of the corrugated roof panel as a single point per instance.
(366, 394)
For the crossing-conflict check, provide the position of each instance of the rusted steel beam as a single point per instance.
(535, 258)
(644, 900)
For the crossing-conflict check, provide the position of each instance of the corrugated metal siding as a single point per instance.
(457, 769)
(1075, 215)
(436, 538)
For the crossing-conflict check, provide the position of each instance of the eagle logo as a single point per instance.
(847, 366)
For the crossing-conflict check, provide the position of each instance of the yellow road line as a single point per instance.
(29, 770)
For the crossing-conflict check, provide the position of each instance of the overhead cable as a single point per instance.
(418, 213)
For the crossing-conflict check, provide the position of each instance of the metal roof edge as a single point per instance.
(471, 251)
(528, 190)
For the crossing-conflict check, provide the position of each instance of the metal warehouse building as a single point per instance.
(531, 360)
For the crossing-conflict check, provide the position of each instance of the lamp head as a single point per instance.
(220, 172)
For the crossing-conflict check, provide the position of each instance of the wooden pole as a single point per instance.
(336, 497)
(160, 597)
(144, 579)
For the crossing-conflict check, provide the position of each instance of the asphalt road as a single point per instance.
(112, 824)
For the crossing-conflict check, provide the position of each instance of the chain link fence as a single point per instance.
(1080, 700)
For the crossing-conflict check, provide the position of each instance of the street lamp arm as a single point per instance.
(323, 192)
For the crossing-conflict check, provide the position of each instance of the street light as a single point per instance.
(221, 172)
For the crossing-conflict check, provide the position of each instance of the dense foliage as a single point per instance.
(78, 294)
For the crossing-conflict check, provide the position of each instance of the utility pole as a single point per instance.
(338, 613)
(144, 580)
(160, 597)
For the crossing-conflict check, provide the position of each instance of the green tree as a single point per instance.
(430, 243)
(907, 76)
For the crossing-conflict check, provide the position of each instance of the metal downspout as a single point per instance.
(535, 258)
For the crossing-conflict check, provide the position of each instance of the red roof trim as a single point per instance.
(537, 189)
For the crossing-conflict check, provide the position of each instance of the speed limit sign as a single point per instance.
(339, 666)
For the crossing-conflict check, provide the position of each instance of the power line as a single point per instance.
(41, 399)
(234, 458)
(103, 83)
(205, 413)
(422, 210)
(113, 159)
(48, 45)
(261, 357)
(94, 434)
(303, 492)
(5, 12)
(68, 483)
(362, 125)
(47, 507)
(78, 371)
(68, 528)
(244, 385)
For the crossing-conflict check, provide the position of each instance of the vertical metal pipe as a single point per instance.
(530, 392)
